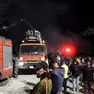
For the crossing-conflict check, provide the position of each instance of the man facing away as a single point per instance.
(88, 78)
(75, 69)
(57, 76)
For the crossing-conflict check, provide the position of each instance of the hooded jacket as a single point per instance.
(57, 77)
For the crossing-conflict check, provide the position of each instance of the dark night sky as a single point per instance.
(74, 15)
(63, 18)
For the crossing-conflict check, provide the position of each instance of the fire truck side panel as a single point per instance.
(1, 58)
(7, 58)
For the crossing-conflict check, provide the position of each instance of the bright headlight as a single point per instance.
(42, 58)
(21, 58)
(21, 64)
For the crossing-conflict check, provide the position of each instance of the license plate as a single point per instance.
(31, 67)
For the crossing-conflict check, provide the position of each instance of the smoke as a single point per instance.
(55, 40)
(45, 17)
(53, 36)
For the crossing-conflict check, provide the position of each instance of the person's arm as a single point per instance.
(38, 88)
(70, 68)
(55, 83)
(93, 72)
(13, 58)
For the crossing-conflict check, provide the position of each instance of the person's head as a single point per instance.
(15, 56)
(63, 60)
(92, 61)
(58, 58)
(74, 61)
(42, 68)
(52, 60)
(55, 63)
(89, 63)
(79, 57)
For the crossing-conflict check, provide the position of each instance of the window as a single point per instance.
(32, 49)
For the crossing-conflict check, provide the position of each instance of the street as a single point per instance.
(24, 84)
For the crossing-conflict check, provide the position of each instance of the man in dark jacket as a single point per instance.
(57, 77)
(75, 69)
(88, 77)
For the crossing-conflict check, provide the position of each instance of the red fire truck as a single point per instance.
(32, 50)
(5, 58)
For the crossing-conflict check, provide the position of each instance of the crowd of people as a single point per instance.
(60, 69)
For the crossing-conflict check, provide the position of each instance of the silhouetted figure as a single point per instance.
(15, 66)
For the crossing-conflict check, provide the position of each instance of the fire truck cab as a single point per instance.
(32, 50)
(5, 58)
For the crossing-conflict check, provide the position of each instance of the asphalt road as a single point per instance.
(31, 81)
(24, 84)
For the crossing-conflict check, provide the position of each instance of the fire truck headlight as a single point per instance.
(21, 58)
(43, 59)
(21, 64)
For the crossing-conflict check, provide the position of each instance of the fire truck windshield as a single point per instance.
(32, 49)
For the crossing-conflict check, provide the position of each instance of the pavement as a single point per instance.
(25, 83)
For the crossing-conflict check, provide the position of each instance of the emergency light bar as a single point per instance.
(32, 41)
(68, 50)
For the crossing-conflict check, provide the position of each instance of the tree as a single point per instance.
(89, 35)
(89, 31)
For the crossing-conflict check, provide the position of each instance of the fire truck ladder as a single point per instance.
(30, 35)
